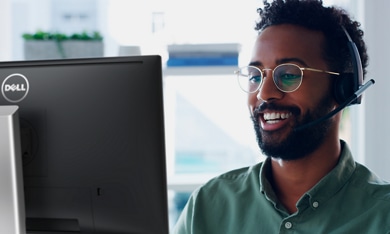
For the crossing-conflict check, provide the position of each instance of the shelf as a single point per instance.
(199, 70)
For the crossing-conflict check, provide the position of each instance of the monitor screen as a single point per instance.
(92, 133)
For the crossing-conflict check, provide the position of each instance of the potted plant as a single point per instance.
(47, 45)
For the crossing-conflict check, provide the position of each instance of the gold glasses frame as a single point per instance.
(261, 72)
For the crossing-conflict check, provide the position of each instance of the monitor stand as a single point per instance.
(12, 210)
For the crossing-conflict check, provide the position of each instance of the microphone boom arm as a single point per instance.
(355, 95)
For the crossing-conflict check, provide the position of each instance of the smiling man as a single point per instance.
(302, 68)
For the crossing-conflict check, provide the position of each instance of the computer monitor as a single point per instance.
(93, 149)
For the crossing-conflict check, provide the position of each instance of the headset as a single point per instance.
(348, 83)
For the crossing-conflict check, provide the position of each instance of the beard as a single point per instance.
(297, 144)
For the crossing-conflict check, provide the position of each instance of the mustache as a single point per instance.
(272, 106)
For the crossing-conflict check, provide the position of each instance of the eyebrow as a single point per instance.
(279, 61)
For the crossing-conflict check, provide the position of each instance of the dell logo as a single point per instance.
(15, 88)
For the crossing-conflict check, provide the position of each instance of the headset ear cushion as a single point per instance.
(344, 87)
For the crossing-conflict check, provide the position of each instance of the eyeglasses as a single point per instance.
(287, 77)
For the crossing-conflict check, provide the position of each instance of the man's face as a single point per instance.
(275, 113)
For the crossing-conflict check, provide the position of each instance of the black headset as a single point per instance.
(348, 83)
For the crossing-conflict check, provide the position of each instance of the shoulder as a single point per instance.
(230, 191)
(242, 179)
(236, 177)
(233, 193)
(371, 186)
(361, 181)
(369, 198)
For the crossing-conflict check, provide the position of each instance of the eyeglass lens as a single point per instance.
(249, 79)
(287, 78)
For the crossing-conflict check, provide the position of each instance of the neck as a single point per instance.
(292, 179)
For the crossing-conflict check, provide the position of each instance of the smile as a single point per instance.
(275, 117)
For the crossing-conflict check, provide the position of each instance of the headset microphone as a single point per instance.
(349, 100)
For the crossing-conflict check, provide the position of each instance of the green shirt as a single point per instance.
(350, 199)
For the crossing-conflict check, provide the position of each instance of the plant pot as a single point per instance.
(51, 49)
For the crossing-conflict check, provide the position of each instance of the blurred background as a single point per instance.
(208, 130)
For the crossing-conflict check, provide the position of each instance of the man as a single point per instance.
(309, 182)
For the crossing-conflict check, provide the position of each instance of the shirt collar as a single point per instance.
(336, 178)
(325, 188)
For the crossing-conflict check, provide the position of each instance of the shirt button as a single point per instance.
(288, 225)
(315, 204)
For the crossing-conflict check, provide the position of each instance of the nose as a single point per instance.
(268, 90)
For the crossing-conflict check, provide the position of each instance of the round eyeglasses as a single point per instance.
(287, 77)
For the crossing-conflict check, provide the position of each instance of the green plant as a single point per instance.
(42, 35)
(58, 38)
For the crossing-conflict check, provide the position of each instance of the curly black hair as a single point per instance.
(312, 15)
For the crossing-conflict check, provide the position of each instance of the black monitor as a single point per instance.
(92, 133)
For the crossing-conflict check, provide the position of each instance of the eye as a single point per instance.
(255, 79)
(290, 79)
(289, 76)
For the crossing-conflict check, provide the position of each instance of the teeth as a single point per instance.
(276, 116)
